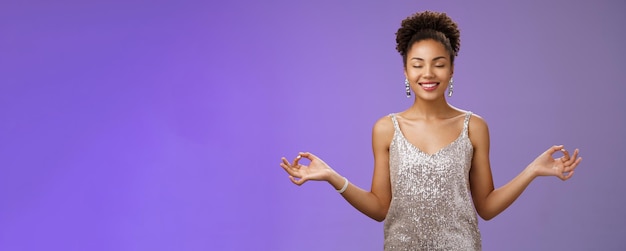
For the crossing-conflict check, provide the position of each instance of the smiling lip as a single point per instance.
(429, 86)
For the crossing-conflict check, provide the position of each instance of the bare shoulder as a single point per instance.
(383, 130)
(478, 130)
(383, 126)
(477, 122)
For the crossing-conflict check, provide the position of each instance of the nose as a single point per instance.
(428, 72)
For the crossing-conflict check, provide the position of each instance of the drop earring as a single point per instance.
(408, 88)
(451, 88)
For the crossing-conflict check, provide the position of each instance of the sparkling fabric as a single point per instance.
(431, 206)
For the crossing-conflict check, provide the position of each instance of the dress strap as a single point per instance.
(468, 115)
(395, 121)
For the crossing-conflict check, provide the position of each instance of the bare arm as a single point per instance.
(373, 203)
(490, 202)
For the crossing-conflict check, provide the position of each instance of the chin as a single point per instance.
(431, 96)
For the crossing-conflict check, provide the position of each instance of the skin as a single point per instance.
(431, 124)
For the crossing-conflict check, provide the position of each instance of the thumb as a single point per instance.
(554, 149)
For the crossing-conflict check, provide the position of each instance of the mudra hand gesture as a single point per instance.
(563, 167)
(298, 173)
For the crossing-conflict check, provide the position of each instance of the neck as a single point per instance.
(435, 109)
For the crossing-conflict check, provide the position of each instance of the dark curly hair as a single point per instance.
(428, 25)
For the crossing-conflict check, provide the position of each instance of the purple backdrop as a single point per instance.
(159, 125)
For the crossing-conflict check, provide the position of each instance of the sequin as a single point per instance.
(431, 206)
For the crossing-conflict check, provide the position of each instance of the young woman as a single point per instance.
(431, 161)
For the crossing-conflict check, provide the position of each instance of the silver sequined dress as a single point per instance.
(431, 206)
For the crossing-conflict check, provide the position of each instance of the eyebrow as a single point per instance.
(421, 59)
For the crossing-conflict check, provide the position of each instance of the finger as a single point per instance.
(296, 160)
(290, 170)
(566, 176)
(298, 182)
(573, 158)
(574, 165)
(565, 157)
(285, 161)
(308, 155)
(563, 174)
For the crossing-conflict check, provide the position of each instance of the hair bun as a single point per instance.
(427, 20)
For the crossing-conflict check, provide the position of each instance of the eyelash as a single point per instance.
(438, 66)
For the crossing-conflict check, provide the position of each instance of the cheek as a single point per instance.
(412, 73)
(444, 72)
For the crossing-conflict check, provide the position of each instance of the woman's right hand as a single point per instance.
(298, 173)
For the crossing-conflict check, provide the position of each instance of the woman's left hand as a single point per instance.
(562, 167)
